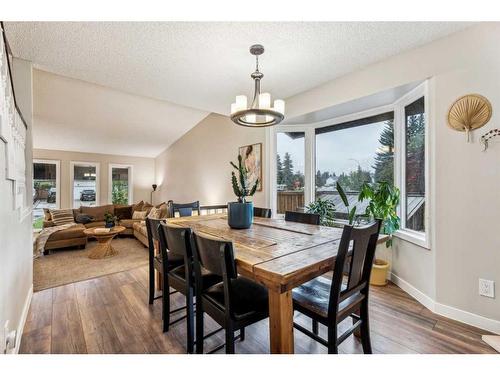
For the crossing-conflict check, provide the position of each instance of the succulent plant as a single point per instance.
(241, 188)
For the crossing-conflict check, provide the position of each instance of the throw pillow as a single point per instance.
(84, 219)
(164, 211)
(147, 207)
(46, 214)
(155, 213)
(137, 206)
(139, 215)
(60, 217)
(123, 212)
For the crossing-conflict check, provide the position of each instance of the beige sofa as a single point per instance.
(74, 236)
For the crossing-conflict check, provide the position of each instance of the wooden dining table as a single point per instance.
(278, 254)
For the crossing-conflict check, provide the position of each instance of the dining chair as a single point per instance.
(178, 242)
(302, 217)
(183, 209)
(234, 303)
(329, 302)
(214, 209)
(162, 264)
(262, 212)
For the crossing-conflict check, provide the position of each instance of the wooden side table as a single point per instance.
(103, 249)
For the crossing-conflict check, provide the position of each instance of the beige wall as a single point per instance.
(464, 196)
(143, 172)
(16, 265)
(196, 167)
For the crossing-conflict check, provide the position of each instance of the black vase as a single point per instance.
(240, 215)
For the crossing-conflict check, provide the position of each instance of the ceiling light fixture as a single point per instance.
(260, 113)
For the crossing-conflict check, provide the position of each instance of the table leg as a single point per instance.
(281, 322)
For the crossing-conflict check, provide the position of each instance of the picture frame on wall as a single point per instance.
(252, 159)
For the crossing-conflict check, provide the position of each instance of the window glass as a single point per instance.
(290, 171)
(415, 165)
(352, 154)
(44, 190)
(84, 185)
(120, 185)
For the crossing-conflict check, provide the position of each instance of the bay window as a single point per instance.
(387, 143)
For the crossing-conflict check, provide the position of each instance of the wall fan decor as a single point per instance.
(469, 112)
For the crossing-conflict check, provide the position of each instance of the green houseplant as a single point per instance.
(240, 213)
(384, 200)
(325, 209)
(109, 220)
(351, 212)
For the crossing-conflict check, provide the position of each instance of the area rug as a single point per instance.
(67, 266)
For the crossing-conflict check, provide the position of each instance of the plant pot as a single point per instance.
(379, 273)
(240, 215)
(109, 225)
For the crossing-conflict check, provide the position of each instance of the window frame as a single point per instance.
(57, 163)
(97, 166)
(130, 168)
(419, 238)
(422, 239)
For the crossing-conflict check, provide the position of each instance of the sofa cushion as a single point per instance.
(147, 207)
(123, 212)
(60, 217)
(94, 224)
(139, 215)
(128, 223)
(98, 211)
(141, 228)
(69, 233)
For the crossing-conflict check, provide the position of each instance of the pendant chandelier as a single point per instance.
(260, 113)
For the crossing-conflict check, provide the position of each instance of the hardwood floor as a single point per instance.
(110, 314)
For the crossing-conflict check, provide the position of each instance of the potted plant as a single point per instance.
(384, 199)
(109, 220)
(325, 209)
(240, 213)
(351, 212)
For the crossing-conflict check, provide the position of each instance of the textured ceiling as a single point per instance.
(204, 65)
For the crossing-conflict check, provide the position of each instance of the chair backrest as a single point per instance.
(178, 241)
(217, 257)
(184, 209)
(213, 209)
(302, 217)
(152, 231)
(356, 266)
(262, 212)
(214, 254)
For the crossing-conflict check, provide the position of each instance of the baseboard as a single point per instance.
(24, 316)
(414, 292)
(466, 317)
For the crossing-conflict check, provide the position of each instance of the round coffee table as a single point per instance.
(103, 249)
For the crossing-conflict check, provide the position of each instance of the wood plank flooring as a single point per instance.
(110, 314)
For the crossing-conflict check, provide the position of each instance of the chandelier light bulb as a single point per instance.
(259, 113)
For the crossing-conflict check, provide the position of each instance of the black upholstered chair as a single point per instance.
(302, 217)
(262, 212)
(234, 303)
(183, 209)
(178, 242)
(159, 261)
(329, 302)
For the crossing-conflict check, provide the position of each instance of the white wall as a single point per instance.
(464, 196)
(196, 167)
(143, 173)
(16, 266)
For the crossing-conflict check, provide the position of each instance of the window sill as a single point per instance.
(417, 238)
